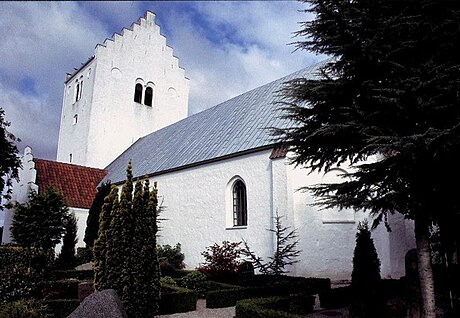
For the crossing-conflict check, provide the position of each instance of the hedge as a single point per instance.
(264, 308)
(71, 273)
(61, 308)
(177, 299)
(61, 289)
(222, 295)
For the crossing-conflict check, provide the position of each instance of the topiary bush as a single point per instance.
(196, 281)
(269, 307)
(176, 299)
(167, 280)
(367, 299)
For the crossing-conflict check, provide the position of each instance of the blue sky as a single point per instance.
(226, 48)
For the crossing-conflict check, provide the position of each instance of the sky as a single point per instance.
(225, 47)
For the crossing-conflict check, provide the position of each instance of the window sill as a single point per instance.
(241, 227)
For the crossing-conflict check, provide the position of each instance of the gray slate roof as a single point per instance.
(233, 127)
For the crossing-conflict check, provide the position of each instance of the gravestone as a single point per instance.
(103, 304)
(245, 270)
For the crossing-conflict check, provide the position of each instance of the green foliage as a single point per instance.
(40, 222)
(125, 252)
(9, 160)
(285, 253)
(84, 255)
(176, 299)
(92, 222)
(30, 308)
(365, 278)
(271, 307)
(67, 258)
(196, 281)
(18, 279)
(59, 289)
(171, 258)
(167, 280)
(221, 261)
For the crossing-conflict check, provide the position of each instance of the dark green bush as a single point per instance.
(222, 295)
(335, 297)
(176, 299)
(171, 259)
(24, 309)
(71, 273)
(62, 289)
(196, 281)
(271, 307)
(168, 280)
(84, 255)
(61, 308)
(17, 279)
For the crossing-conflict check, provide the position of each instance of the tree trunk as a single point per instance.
(425, 270)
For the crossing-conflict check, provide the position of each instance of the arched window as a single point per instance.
(138, 93)
(148, 96)
(77, 90)
(81, 88)
(240, 212)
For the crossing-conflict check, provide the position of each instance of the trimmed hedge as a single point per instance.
(224, 295)
(60, 289)
(336, 297)
(177, 299)
(61, 308)
(271, 307)
(71, 273)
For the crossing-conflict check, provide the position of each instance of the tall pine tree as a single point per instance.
(389, 93)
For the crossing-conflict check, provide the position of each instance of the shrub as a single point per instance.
(270, 307)
(61, 289)
(222, 295)
(71, 273)
(17, 279)
(84, 255)
(171, 259)
(167, 280)
(365, 278)
(24, 309)
(176, 299)
(196, 281)
(221, 261)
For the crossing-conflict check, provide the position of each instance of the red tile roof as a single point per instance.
(77, 183)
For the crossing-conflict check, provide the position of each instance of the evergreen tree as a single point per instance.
(125, 251)
(92, 222)
(285, 254)
(9, 160)
(67, 258)
(389, 93)
(365, 278)
(39, 223)
(101, 243)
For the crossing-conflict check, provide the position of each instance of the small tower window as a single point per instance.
(81, 89)
(138, 93)
(77, 91)
(148, 96)
(70, 157)
(75, 120)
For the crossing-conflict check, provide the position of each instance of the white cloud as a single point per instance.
(226, 49)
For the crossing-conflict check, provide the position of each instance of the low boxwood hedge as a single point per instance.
(270, 307)
(71, 273)
(60, 289)
(176, 299)
(222, 295)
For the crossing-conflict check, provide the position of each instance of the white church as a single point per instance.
(220, 174)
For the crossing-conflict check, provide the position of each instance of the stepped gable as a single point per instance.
(232, 128)
(147, 20)
(77, 183)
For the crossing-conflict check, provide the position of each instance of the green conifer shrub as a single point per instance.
(125, 252)
(67, 258)
(365, 278)
(92, 222)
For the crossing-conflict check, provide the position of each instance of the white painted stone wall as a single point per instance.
(198, 207)
(109, 120)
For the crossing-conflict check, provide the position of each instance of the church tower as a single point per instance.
(130, 87)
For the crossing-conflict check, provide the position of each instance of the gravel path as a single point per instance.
(229, 312)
